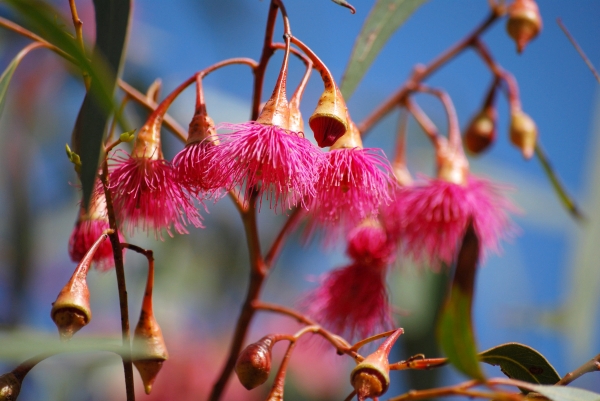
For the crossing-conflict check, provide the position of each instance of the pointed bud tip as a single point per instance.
(523, 133)
(524, 22)
(148, 369)
(69, 320)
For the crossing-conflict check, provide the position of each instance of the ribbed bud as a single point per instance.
(481, 132)
(150, 350)
(71, 310)
(254, 363)
(523, 133)
(371, 377)
(328, 122)
(10, 387)
(524, 22)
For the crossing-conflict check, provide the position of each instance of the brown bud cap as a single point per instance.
(524, 22)
(523, 133)
(254, 363)
(201, 127)
(350, 140)
(481, 132)
(371, 377)
(10, 386)
(329, 121)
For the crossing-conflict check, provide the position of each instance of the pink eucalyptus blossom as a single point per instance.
(368, 244)
(192, 169)
(437, 213)
(146, 193)
(353, 184)
(283, 162)
(352, 301)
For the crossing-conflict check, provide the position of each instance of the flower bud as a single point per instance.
(10, 386)
(71, 310)
(150, 350)
(149, 345)
(371, 377)
(523, 133)
(481, 132)
(254, 363)
(328, 121)
(524, 22)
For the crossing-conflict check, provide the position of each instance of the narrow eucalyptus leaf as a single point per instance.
(564, 393)
(385, 18)
(455, 327)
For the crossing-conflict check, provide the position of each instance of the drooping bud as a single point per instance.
(296, 121)
(276, 111)
(71, 310)
(149, 345)
(10, 387)
(254, 363)
(329, 120)
(523, 133)
(481, 132)
(524, 22)
(371, 377)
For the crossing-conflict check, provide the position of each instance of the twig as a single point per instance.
(593, 365)
(78, 25)
(579, 49)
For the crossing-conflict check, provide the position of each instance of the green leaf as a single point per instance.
(9, 71)
(562, 393)
(518, 361)
(112, 24)
(385, 18)
(455, 327)
(112, 21)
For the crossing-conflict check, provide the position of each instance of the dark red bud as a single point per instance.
(254, 363)
(524, 22)
(481, 132)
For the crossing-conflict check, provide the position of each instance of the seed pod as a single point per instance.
(254, 363)
(71, 310)
(10, 386)
(524, 22)
(371, 377)
(481, 132)
(523, 133)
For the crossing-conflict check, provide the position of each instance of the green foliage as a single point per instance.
(385, 18)
(518, 361)
(455, 327)
(112, 21)
(9, 71)
(562, 393)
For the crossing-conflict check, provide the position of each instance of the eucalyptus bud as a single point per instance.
(10, 386)
(328, 121)
(149, 345)
(371, 377)
(71, 310)
(254, 363)
(523, 133)
(481, 132)
(524, 22)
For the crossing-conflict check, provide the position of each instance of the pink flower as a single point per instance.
(145, 191)
(437, 213)
(283, 162)
(88, 228)
(352, 186)
(192, 167)
(368, 244)
(352, 301)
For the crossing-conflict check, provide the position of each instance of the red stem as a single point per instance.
(420, 74)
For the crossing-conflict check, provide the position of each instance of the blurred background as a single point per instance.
(542, 291)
